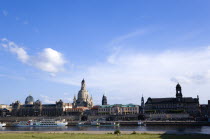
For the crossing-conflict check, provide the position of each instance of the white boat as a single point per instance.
(42, 123)
(83, 124)
(2, 124)
(140, 123)
(95, 123)
(109, 124)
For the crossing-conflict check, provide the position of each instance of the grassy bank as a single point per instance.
(96, 136)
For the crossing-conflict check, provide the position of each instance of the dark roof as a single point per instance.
(169, 100)
(48, 104)
(29, 100)
(28, 105)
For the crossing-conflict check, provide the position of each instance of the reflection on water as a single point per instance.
(168, 129)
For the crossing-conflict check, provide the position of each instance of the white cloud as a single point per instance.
(52, 100)
(15, 49)
(21, 53)
(120, 39)
(47, 99)
(48, 60)
(128, 75)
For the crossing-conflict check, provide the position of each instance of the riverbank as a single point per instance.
(133, 123)
(80, 132)
(97, 135)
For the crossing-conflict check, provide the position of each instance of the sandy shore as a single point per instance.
(84, 132)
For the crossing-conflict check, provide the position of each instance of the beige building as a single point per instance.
(118, 109)
(31, 108)
(36, 108)
(5, 110)
(4, 106)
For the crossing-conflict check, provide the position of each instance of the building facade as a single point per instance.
(36, 108)
(118, 109)
(179, 104)
(5, 110)
(31, 108)
(208, 110)
(204, 112)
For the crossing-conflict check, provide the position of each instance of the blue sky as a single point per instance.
(122, 48)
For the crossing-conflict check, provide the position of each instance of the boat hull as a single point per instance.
(2, 125)
(58, 125)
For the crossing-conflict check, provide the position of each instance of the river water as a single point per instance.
(168, 129)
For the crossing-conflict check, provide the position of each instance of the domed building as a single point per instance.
(83, 98)
(59, 108)
(29, 100)
(36, 108)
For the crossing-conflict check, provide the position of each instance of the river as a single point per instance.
(168, 129)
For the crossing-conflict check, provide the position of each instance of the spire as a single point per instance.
(142, 101)
(83, 86)
(74, 100)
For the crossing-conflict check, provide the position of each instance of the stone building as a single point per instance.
(31, 108)
(118, 109)
(5, 110)
(209, 110)
(36, 108)
(179, 104)
(104, 100)
(204, 112)
(83, 99)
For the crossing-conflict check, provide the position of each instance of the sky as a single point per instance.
(122, 48)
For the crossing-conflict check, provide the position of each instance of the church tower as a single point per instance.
(83, 98)
(142, 101)
(104, 100)
(178, 92)
(142, 105)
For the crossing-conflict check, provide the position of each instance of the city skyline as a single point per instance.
(121, 49)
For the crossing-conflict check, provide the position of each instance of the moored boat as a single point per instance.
(2, 124)
(42, 123)
(109, 124)
(83, 124)
(95, 123)
(140, 123)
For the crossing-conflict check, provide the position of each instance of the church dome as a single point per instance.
(38, 102)
(29, 100)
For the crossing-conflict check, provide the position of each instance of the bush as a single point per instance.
(134, 132)
(117, 132)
